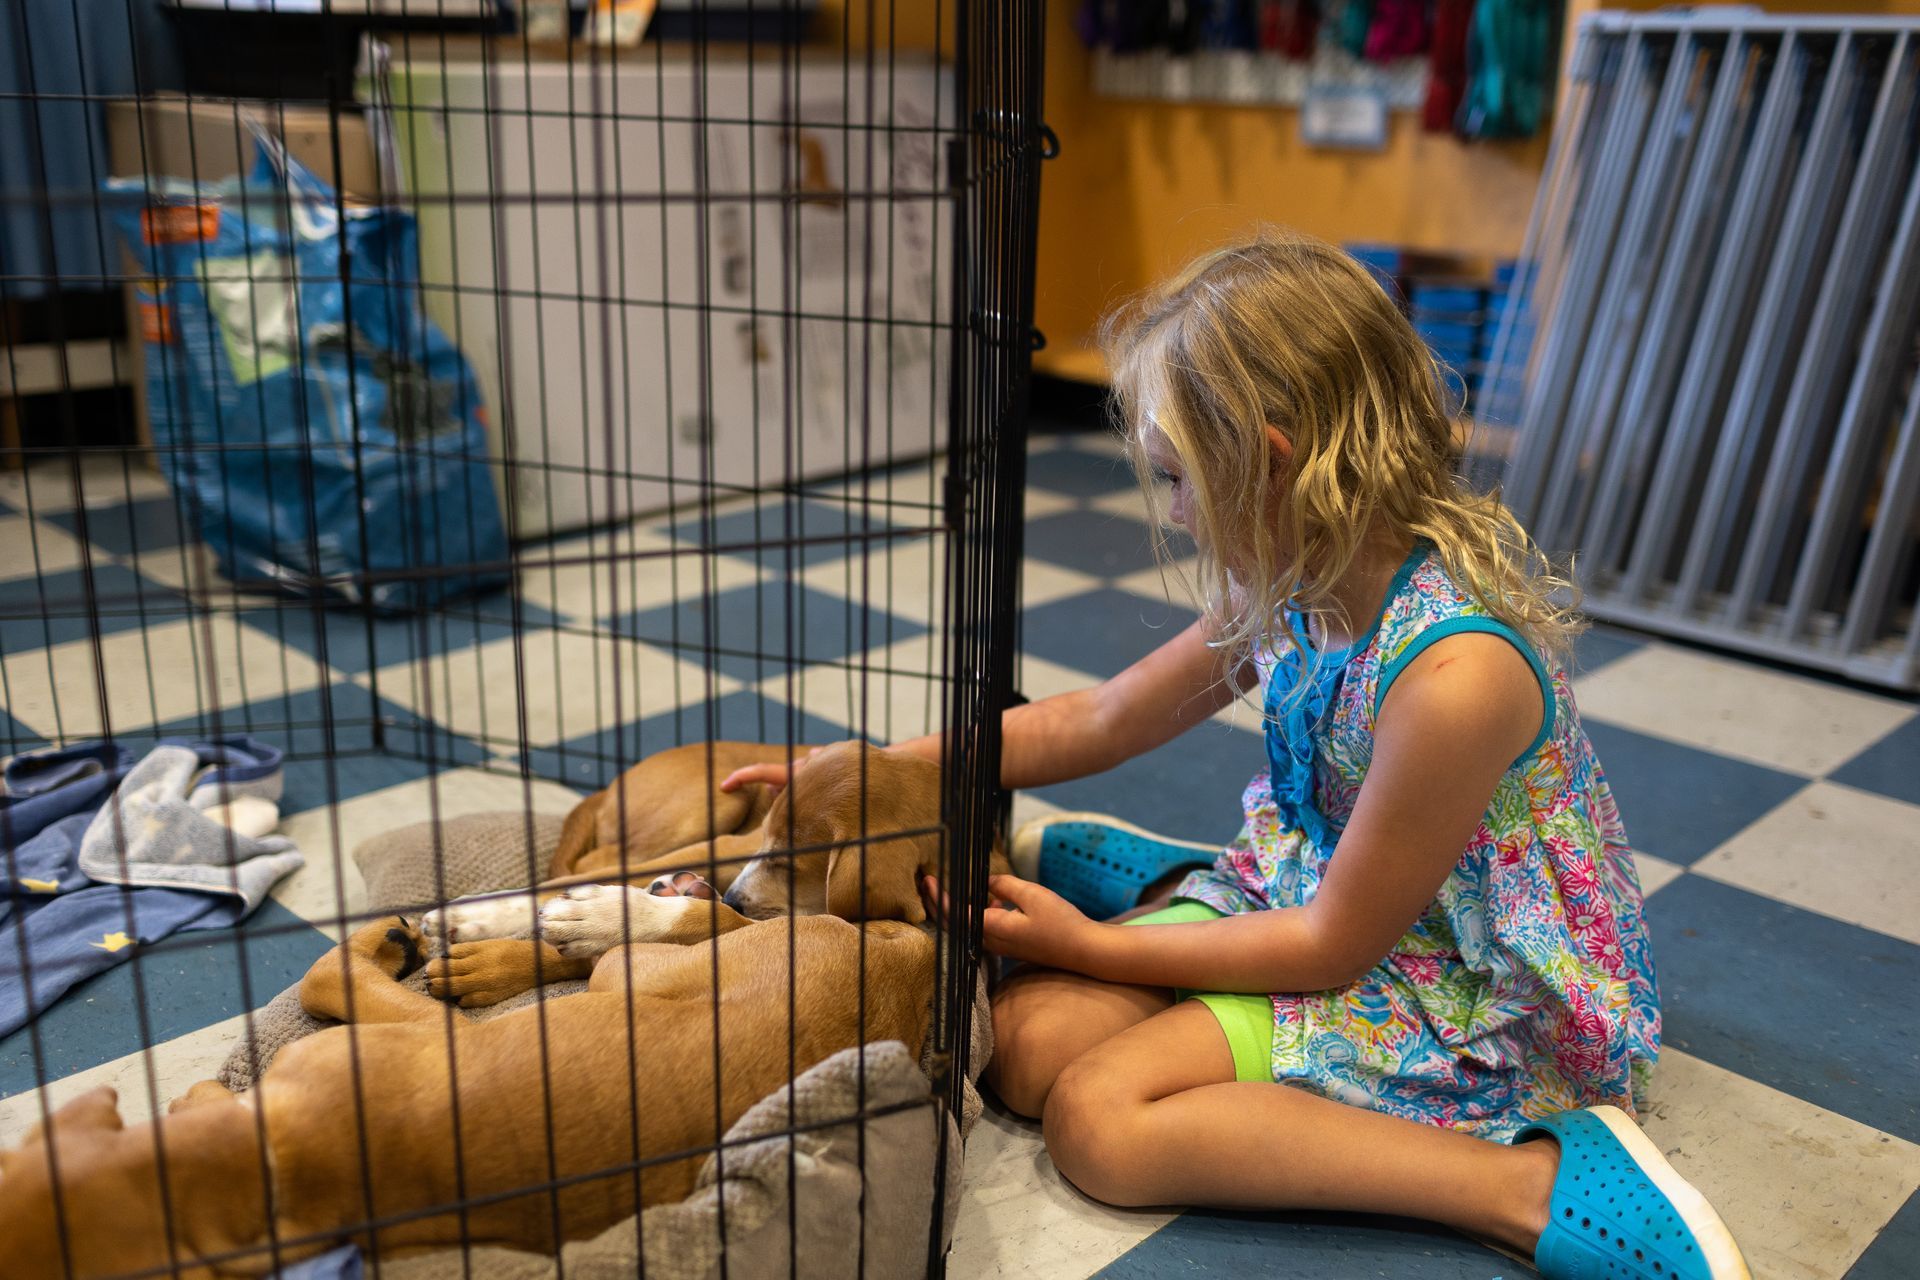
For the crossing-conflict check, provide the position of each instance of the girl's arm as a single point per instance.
(1452, 725)
(1071, 735)
(1088, 731)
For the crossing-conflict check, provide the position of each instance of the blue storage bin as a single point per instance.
(336, 447)
(1448, 335)
(1386, 257)
(1462, 299)
(1383, 262)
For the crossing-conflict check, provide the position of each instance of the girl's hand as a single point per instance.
(1031, 923)
(773, 775)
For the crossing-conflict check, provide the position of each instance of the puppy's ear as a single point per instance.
(892, 881)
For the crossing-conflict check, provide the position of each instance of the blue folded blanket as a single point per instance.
(98, 853)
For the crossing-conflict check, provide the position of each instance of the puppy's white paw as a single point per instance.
(478, 919)
(590, 920)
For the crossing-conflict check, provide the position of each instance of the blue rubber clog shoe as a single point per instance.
(1097, 863)
(1621, 1212)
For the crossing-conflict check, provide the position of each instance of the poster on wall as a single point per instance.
(1344, 117)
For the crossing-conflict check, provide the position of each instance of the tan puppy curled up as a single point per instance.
(660, 818)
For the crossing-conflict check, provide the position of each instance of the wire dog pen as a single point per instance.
(494, 412)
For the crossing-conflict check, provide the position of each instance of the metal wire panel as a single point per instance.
(997, 166)
(1710, 353)
(736, 341)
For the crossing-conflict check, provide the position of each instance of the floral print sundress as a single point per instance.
(1527, 986)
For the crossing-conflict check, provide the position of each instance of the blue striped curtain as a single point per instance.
(54, 55)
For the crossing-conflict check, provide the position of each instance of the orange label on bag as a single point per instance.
(179, 223)
(156, 322)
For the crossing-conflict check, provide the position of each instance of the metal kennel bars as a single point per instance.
(1709, 357)
(492, 410)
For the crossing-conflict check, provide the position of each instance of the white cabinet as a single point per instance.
(669, 276)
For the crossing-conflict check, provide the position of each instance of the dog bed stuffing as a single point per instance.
(405, 869)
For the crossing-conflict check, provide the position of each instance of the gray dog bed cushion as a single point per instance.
(416, 866)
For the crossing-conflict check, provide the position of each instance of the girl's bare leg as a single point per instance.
(1154, 1116)
(1044, 1019)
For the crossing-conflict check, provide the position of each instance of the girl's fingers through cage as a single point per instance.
(936, 899)
(767, 775)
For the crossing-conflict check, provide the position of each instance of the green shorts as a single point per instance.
(1247, 1020)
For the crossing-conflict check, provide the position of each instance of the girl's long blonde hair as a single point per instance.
(1289, 331)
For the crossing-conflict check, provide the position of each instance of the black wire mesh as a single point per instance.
(495, 413)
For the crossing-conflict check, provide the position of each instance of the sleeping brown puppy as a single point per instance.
(408, 1110)
(666, 802)
(648, 834)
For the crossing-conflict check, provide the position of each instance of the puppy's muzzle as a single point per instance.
(751, 910)
(759, 892)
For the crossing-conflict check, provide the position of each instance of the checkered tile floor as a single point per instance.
(1779, 815)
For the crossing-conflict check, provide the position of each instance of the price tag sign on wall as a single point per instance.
(1347, 117)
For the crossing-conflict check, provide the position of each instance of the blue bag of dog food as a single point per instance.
(325, 435)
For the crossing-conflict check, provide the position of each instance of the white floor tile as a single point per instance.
(907, 579)
(177, 1065)
(633, 569)
(1244, 713)
(1104, 442)
(1037, 678)
(328, 837)
(1107, 442)
(1124, 502)
(1019, 1217)
(190, 569)
(914, 482)
(1844, 853)
(901, 695)
(106, 480)
(153, 676)
(1043, 583)
(1655, 873)
(569, 679)
(1804, 1190)
(1173, 583)
(1039, 503)
(1737, 709)
(30, 548)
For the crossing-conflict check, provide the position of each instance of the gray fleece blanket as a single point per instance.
(155, 832)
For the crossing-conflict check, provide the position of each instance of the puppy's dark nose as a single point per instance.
(732, 899)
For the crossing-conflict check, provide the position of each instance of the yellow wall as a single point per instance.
(911, 25)
(1141, 186)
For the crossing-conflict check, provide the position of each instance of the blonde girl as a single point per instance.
(1419, 981)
